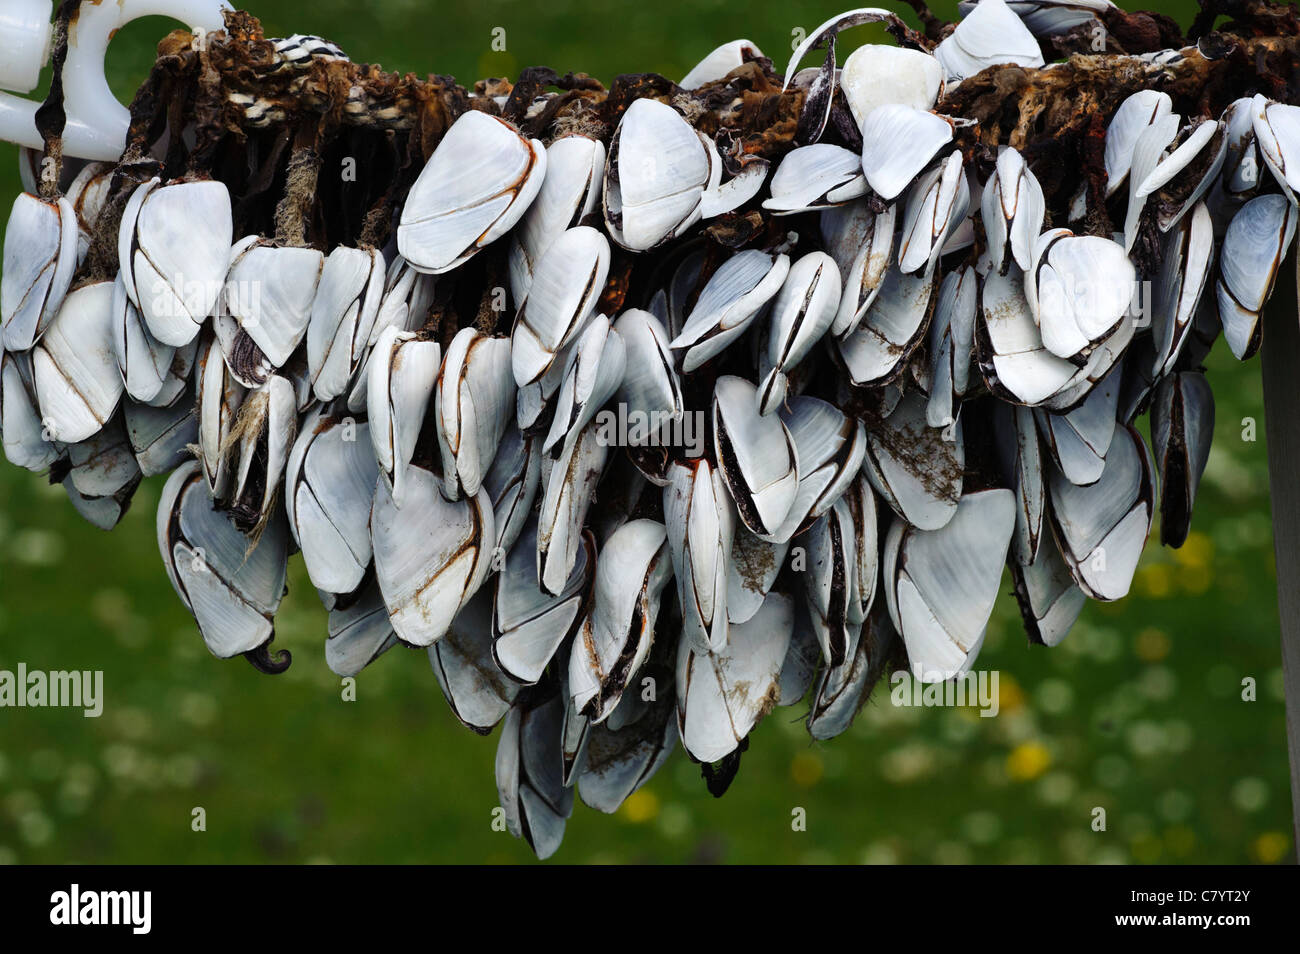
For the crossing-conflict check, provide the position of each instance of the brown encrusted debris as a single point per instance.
(1055, 116)
(268, 131)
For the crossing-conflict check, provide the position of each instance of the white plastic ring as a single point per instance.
(97, 123)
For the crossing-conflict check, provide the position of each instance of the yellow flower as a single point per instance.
(640, 807)
(806, 769)
(1270, 847)
(1154, 581)
(1027, 761)
(1197, 551)
(1152, 645)
(1010, 695)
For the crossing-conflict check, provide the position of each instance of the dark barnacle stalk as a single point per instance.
(264, 661)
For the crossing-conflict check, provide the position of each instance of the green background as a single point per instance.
(1139, 712)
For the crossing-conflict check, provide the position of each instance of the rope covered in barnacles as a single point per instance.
(906, 319)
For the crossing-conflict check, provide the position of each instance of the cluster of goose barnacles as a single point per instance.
(916, 320)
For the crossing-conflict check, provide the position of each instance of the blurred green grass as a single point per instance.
(1138, 712)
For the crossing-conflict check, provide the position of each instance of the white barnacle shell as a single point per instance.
(804, 310)
(593, 373)
(1103, 526)
(815, 177)
(570, 192)
(1277, 132)
(940, 585)
(431, 556)
(1078, 439)
(27, 442)
(1015, 364)
(701, 519)
(329, 482)
(269, 294)
(529, 625)
(989, 35)
(40, 256)
(474, 400)
(615, 637)
(1079, 289)
(655, 176)
(728, 304)
(1253, 249)
(898, 141)
(174, 250)
(916, 469)
(1012, 210)
(477, 690)
(342, 319)
(722, 694)
(719, 62)
(567, 282)
(477, 184)
(936, 206)
(892, 328)
(231, 584)
(530, 773)
(862, 244)
(1135, 115)
(755, 455)
(403, 371)
(877, 75)
(78, 384)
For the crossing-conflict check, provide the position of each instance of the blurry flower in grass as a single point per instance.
(879, 853)
(1196, 558)
(1270, 847)
(1152, 645)
(1010, 696)
(111, 607)
(121, 760)
(1146, 848)
(1056, 788)
(674, 820)
(1103, 644)
(1158, 683)
(806, 769)
(1154, 581)
(952, 853)
(35, 547)
(131, 722)
(1175, 805)
(1250, 794)
(1180, 841)
(640, 807)
(35, 828)
(981, 828)
(1146, 739)
(1054, 696)
(78, 788)
(908, 763)
(1027, 761)
(182, 770)
(198, 709)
